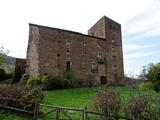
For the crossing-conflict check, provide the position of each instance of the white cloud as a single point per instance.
(131, 47)
(140, 55)
(145, 24)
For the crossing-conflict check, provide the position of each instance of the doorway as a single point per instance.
(103, 80)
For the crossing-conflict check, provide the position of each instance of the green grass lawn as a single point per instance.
(79, 98)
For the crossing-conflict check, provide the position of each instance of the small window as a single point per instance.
(114, 63)
(68, 50)
(68, 65)
(113, 49)
(100, 56)
(103, 80)
(114, 68)
(93, 67)
(114, 60)
(84, 44)
(113, 40)
(58, 55)
(68, 43)
(92, 34)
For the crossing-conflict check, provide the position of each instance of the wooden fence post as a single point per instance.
(86, 115)
(58, 114)
(35, 113)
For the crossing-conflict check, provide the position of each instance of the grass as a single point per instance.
(79, 98)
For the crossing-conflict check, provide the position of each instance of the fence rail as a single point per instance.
(57, 110)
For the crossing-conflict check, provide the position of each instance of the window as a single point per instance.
(84, 44)
(68, 66)
(113, 49)
(84, 48)
(93, 67)
(92, 34)
(68, 44)
(100, 56)
(114, 63)
(58, 55)
(103, 80)
(113, 40)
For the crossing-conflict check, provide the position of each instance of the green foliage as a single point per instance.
(50, 82)
(54, 82)
(3, 53)
(2, 74)
(34, 81)
(146, 86)
(154, 76)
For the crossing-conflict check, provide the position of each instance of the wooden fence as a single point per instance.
(66, 112)
(56, 111)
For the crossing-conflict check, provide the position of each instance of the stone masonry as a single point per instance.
(97, 56)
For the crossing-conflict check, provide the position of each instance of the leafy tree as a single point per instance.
(145, 70)
(3, 52)
(154, 76)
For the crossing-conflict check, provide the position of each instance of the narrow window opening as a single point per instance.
(68, 65)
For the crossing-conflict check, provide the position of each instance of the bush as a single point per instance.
(141, 107)
(154, 76)
(50, 82)
(34, 81)
(146, 86)
(8, 76)
(108, 103)
(22, 93)
(2, 74)
(54, 82)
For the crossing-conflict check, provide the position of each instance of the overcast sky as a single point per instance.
(140, 20)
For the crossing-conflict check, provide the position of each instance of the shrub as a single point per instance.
(34, 81)
(23, 93)
(141, 107)
(108, 103)
(54, 82)
(2, 74)
(154, 76)
(146, 86)
(8, 75)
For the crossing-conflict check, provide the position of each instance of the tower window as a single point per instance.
(93, 67)
(113, 49)
(68, 44)
(68, 65)
(92, 34)
(114, 63)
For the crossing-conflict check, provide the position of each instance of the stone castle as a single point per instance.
(97, 56)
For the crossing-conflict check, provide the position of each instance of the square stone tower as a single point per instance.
(111, 32)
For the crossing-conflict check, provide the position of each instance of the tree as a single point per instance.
(145, 70)
(154, 76)
(3, 53)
